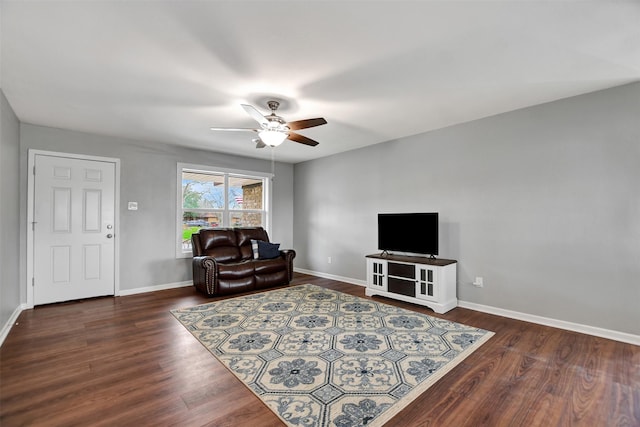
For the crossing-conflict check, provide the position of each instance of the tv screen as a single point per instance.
(408, 232)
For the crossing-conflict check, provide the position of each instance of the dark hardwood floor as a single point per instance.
(127, 362)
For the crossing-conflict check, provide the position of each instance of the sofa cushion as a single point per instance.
(224, 253)
(268, 250)
(214, 237)
(235, 270)
(220, 244)
(264, 266)
(244, 237)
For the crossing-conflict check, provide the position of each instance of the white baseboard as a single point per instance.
(561, 324)
(12, 321)
(331, 276)
(125, 292)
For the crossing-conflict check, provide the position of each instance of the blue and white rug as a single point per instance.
(319, 357)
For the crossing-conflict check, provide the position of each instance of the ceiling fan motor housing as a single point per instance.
(275, 122)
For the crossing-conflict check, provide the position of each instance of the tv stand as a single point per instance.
(420, 280)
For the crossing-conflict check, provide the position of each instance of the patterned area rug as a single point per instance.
(318, 357)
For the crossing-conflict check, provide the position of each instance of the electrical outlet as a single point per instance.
(328, 260)
(479, 282)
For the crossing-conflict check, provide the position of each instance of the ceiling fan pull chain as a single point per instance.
(273, 164)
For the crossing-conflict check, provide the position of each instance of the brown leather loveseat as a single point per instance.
(224, 261)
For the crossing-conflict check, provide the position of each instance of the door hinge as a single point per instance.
(34, 170)
(33, 281)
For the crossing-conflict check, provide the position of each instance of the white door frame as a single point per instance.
(30, 215)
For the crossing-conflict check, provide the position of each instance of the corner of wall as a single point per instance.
(10, 295)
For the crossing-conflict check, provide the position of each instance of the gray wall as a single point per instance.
(543, 202)
(148, 176)
(9, 211)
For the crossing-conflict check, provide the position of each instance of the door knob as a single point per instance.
(109, 236)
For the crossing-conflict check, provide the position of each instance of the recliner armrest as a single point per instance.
(205, 274)
(288, 255)
(205, 261)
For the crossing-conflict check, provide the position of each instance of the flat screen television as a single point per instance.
(415, 233)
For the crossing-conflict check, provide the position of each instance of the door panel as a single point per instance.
(61, 210)
(74, 212)
(92, 212)
(60, 264)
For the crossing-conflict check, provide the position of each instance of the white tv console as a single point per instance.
(420, 280)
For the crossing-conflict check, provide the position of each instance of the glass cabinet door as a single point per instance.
(377, 271)
(426, 282)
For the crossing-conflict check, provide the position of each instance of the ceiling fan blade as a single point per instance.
(255, 114)
(235, 129)
(302, 139)
(308, 123)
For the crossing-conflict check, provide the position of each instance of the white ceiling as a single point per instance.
(376, 70)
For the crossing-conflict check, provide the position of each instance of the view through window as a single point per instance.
(211, 199)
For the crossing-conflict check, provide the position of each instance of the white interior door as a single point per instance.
(74, 230)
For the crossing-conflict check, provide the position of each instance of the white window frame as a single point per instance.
(189, 167)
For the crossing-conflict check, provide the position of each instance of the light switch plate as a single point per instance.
(132, 206)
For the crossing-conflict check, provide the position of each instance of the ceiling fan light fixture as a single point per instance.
(274, 129)
(272, 138)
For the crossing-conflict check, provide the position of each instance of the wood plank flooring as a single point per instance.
(126, 361)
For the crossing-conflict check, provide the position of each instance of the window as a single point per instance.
(210, 198)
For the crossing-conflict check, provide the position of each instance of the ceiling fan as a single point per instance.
(274, 130)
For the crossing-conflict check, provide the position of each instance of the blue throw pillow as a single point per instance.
(268, 250)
